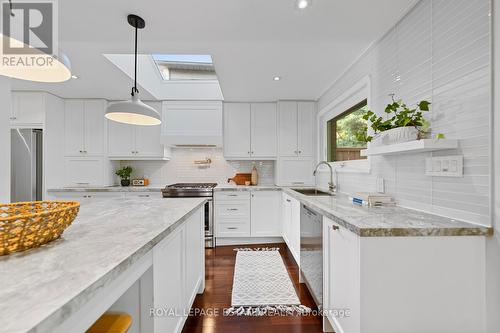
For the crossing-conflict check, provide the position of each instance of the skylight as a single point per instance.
(184, 67)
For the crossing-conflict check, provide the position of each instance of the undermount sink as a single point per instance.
(313, 192)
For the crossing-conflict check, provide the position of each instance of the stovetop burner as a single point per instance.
(189, 190)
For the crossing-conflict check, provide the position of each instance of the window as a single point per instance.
(346, 134)
(185, 67)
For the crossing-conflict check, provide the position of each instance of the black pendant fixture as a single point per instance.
(134, 111)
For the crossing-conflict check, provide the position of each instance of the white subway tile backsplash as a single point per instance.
(181, 168)
(440, 51)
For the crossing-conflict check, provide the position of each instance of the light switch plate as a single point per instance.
(380, 185)
(445, 166)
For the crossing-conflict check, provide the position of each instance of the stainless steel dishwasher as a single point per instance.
(311, 252)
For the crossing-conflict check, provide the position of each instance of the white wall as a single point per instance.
(440, 51)
(4, 139)
(181, 168)
(493, 244)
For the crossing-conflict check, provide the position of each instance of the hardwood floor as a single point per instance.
(219, 279)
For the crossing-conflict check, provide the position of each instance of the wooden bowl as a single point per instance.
(26, 225)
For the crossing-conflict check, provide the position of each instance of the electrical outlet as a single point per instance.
(445, 166)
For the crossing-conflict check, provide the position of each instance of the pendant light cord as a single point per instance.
(134, 89)
(11, 12)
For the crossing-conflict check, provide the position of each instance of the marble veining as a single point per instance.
(108, 189)
(43, 287)
(387, 221)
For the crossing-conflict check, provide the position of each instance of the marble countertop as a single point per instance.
(230, 187)
(387, 221)
(117, 188)
(42, 287)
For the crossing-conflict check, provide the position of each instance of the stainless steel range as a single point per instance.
(195, 190)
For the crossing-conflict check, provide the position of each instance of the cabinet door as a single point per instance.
(288, 129)
(168, 281)
(263, 127)
(295, 171)
(84, 172)
(94, 127)
(74, 124)
(342, 275)
(305, 137)
(29, 108)
(121, 139)
(265, 214)
(13, 107)
(147, 141)
(237, 130)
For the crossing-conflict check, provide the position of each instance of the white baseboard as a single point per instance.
(247, 240)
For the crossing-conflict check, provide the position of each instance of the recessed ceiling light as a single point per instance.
(277, 78)
(303, 4)
(74, 76)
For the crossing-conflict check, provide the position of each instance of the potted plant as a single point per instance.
(124, 173)
(402, 124)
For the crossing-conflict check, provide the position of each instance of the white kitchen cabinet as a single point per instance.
(84, 127)
(84, 171)
(28, 109)
(178, 273)
(237, 130)
(250, 130)
(293, 171)
(418, 280)
(135, 142)
(296, 143)
(232, 214)
(265, 214)
(296, 129)
(291, 225)
(263, 130)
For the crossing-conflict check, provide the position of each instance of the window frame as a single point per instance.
(353, 96)
(331, 128)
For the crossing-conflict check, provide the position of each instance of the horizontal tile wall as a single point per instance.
(181, 168)
(440, 51)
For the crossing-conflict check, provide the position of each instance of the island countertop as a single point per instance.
(393, 221)
(48, 284)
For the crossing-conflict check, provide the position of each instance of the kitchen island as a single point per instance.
(67, 284)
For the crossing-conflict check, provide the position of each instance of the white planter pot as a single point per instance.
(395, 135)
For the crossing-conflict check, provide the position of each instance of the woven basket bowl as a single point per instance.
(26, 225)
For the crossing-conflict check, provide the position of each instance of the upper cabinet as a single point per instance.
(27, 109)
(84, 127)
(296, 128)
(250, 131)
(133, 142)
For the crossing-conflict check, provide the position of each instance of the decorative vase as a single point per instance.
(255, 176)
(125, 182)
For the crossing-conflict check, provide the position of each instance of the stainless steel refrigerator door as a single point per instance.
(26, 165)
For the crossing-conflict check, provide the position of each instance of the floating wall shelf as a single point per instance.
(417, 146)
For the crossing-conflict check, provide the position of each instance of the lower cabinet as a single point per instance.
(291, 224)
(178, 274)
(247, 214)
(402, 284)
(84, 198)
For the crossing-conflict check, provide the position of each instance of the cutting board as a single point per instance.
(241, 178)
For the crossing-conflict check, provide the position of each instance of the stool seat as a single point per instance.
(111, 323)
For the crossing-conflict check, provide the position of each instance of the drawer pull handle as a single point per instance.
(232, 195)
(334, 227)
(288, 200)
(232, 209)
(232, 228)
(143, 195)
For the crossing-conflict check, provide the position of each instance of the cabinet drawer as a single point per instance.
(233, 230)
(145, 195)
(232, 196)
(232, 210)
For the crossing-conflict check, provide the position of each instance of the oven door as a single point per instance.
(209, 223)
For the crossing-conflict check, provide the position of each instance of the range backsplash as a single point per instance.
(181, 168)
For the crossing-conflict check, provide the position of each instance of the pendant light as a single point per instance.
(59, 69)
(134, 111)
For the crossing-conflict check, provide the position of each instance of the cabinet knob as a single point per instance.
(252, 152)
(334, 227)
(300, 151)
(248, 153)
(288, 200)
